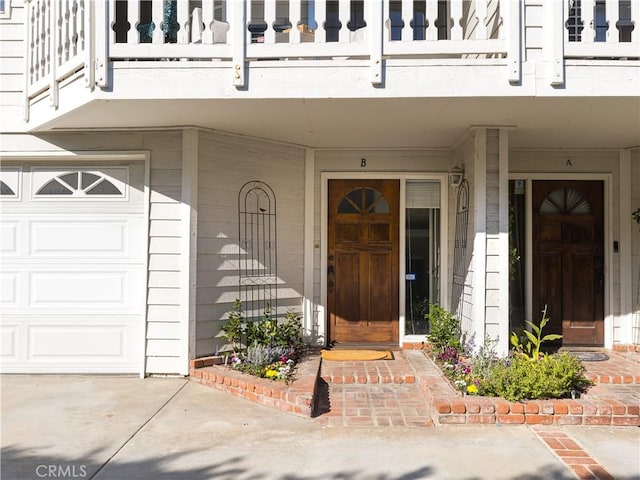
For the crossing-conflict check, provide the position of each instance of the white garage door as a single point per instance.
(73, 269)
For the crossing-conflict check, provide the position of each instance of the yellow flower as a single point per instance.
(472, 389)
(271, 373)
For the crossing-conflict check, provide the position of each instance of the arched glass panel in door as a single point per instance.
(363, 200)
(566, 201)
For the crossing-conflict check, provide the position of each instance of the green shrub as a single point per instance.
(552, 376)
(444, 329)
(269, 331)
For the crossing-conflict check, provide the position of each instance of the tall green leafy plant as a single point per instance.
(530, 348)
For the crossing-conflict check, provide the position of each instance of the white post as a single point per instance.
(270, 20)
(100, 51)
(431, 14)
(51, 37)
(589, 31)
(626, 238)
(480, 234)
(513, 29)
(344, 14)
(189, 239)
(309, 250)
(182, 16)
(238, 22)
(294, 18)
(407, 17)
(503, 227)
(133, 17)
(481, 13)
(456, 17)
(157, 16)
(320, 35)
(376, 32)
(555, 23)
(613, 13)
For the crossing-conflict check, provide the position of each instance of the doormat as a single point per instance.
(356, 355)
(589, 356)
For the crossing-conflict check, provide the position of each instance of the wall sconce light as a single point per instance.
(456, 174)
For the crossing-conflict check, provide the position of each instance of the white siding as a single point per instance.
(492, 295)
(225, 164)
(163, 297)
(533, 30)
(11, 68)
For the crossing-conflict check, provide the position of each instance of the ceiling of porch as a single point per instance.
(579, 122)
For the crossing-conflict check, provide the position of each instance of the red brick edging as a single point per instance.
(449, 407)
(296, 397)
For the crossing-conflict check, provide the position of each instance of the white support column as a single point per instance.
(188, 257)
(503, 227)
(513, 18)
(53, 38)
(99, 53)
(625, 253)
(555, 24)
(480, 234)
(238, 22)
(375, 28)
(309, 250)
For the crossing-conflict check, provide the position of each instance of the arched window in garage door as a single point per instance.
(79, 184)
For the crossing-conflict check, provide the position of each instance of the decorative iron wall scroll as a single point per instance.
(258, 263)
(460, 245)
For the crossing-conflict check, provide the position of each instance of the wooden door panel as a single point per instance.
(381, 287)
(568, 248)
(547, 280)
(345, 286)
(363, 260)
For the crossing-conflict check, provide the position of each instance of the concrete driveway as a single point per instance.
(117, 428)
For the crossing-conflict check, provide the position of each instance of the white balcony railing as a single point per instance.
(66, 37)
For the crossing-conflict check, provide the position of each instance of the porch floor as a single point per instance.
(410, 391)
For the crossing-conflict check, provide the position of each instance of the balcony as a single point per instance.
(236, 46)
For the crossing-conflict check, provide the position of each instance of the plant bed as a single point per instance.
(599, 406)
(295, 396)
(529, 386)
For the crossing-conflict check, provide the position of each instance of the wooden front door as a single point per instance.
(363, 261)
(568, 259)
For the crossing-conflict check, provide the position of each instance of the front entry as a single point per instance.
(568, 259)
(363, 261)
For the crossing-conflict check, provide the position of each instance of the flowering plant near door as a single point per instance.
(271, 347)
(526, 374)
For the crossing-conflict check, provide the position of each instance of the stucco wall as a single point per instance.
(226, 163)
